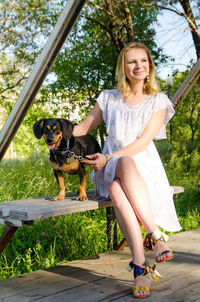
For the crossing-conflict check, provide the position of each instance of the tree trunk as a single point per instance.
(192, 24)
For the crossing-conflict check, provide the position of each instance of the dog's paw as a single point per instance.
(82, 197)
(59, 197)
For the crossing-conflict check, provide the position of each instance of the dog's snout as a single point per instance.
(50, 137)
(49, 140)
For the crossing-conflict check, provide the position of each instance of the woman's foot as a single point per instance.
(142, 284)
(142, 287)
(157, 241)
(162, 251)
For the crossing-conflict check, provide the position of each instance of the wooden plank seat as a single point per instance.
(19, 212)
(16, 213)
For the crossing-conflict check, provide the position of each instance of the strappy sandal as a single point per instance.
(150, 241)
(147, 271)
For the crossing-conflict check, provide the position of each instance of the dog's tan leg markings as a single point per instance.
(82, 190)
(61, 183)
(67, 167)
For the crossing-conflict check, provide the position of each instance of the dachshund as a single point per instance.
(66, 151)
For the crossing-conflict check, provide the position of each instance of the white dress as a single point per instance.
(124, 124)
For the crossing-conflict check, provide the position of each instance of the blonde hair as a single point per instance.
(150, 85)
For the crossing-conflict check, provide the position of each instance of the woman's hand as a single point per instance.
(96, 161)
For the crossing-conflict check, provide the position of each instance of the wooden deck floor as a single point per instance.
(104, 278)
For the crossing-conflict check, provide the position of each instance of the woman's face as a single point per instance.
(136, 64)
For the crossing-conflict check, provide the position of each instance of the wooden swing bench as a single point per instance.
(17, 213)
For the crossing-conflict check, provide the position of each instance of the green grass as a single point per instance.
(22, 179)
(50, 241)
(182, 167)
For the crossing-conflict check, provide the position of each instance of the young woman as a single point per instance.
(129, 170)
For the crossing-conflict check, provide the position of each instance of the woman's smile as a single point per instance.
(136, 64)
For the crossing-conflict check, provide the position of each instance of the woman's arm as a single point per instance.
(151, 130)
(92, 120)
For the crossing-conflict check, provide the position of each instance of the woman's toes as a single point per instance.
(162, 252)
(142, 287)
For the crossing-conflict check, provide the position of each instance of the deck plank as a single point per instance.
(103, 278)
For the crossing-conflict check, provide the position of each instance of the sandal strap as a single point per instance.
(155, 275)
(142, 288)
(145, 270)
(140, 270)
(151, 239)
(132, 266)
(157, 235)
(164, 252)
(149, 242)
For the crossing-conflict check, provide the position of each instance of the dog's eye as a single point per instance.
(57, 131)
(46, 130)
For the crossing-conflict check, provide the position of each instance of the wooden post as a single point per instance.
(111, 228)
(6, 236)
(186, 85)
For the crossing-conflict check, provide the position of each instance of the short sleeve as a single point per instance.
(102, 99)
(163, 102)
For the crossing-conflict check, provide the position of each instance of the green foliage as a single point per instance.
(53, 240)
(182, 166)
(25, 179)
(24, 141)
(25, 26)
(186, 121)
(187, 118)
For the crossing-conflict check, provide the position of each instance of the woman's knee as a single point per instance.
(114, 188)
(116, 193)
(125, 163)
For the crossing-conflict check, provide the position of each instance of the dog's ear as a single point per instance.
(67, 128)
(38, 128)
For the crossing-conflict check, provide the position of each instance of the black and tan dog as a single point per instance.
(65, 151)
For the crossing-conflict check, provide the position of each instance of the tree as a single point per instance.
(189, 16)
(12, 76)
(24, 27)
(187, 119)
(189, 7)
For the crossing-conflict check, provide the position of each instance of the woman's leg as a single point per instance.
(127, 221)
(130, 227)
(131, 201)
(136, 191)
